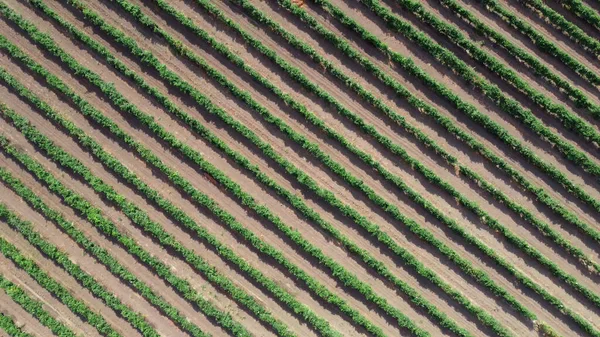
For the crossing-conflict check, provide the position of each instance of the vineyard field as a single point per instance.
(300, 168)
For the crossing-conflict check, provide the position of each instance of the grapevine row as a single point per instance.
(439, 118)
(96, 251)
(576, 95)
(312, 215)
(141, 218)
(335, 167)
(298, 76)
(387, 207)
(85, 279)
(544, 44)
(566, 27)
(569, 120)
(34, 307)
(583, 11)
(340, 272)
(202, 199)
(430, 175)
(447, 58)
(11, 328)
(505, 264)
(427, 173)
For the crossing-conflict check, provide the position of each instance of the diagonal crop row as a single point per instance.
(459, 67)
(312, 215)
(335, 167)
(505, 264)
(135, 214)
(34, 307)
(204, 200)
(337, 270)
(576, 95)
(328, 197)
(565, 26)
(568, 119)
(99, 253)
(309, 213)
(583, 11)
(416, 229)
(11, 328)
(439, 118)
(95, 217)
(136, 320)
(426, 172)
(61, 259)
(298, 76)
(544, 44)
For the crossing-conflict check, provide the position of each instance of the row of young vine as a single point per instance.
(298, 76)
(539, 69)
(302, 207)
(262, 20)
(96, 251)
(62, 260)
(94, 216)
(565, 26)
(427, 173)
(439, 118)
(583, 11)
(9, 326)
(321, 291)
(569, 119)
(19, 296)
(449, 59)
(543, 43)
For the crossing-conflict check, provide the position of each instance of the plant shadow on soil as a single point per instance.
(518, 67)
(470, 125)
(528, 135)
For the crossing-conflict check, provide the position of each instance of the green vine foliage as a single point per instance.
(543, 44)
(100, 254)
(565, 26)
(295, 73)
(569, 119)
(11, 328)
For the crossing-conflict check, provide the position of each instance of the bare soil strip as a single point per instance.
(22, 318)
(300, 157)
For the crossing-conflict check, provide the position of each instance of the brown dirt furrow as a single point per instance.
(539, 22)
(351, 133)
(449, 143)
(524, 72)
(22, 318)
(193, 211)
(512, 35)
(575, 19)
(128, 297)
(382, 156)
(324, 178)
(120, 220)
(441, 74)
(52, 305)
